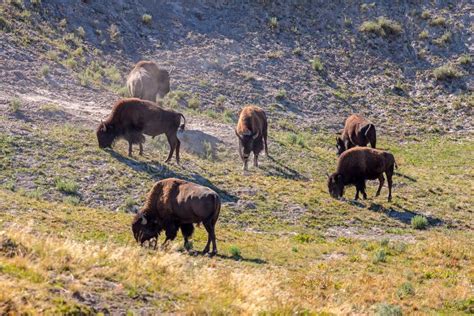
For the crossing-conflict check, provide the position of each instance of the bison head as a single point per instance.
(145, 229)
(105, 135)
(246, 144)
(336, 185)
(340, 145)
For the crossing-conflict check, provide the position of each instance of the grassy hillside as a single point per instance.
(285, 246)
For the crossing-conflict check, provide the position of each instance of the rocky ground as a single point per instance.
(62, 66)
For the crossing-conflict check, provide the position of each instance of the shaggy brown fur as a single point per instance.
(174, 204)
(252, 133)
(358, 131)
(359, 164)
(131, 118)
(146, 80)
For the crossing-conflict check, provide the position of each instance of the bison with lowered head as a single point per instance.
(358, 131)
(146, 80)
(252, 133)
(131, 118)
(173, 204)
(359, 164)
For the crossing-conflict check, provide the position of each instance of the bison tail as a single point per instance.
(217, 204)
(181, 127)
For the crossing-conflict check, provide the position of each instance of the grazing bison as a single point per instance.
(359, 164)
(173, 204)
(131, 118)
(252, 133)
(358, 131)
(146, 80)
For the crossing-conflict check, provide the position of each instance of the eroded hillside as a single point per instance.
(285, 245)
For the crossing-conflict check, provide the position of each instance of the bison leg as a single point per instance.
(141, 149)
(172, 141)
(178, 144)
(187, 231)
(255, 160)
(211, 237)
(389, 174)
(381, 181)
(360, 187)
(245, 167)
(265, 141)
(171, 232)
(130, 148)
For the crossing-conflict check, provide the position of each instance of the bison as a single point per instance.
(359, 164)
(174, 204)
(146, 80)
(252, 133)
(358, 131)
(131, 118)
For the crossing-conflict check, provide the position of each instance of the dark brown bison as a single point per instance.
(252, 133)
(173, 204)
(359, 164)
(146, 80)
(358, 131)
(131, 118)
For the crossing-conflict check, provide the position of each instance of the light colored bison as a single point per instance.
(252, 133)
(146, 81)
(132, 117)
(358, 131)
(173, 204)
(359, 164)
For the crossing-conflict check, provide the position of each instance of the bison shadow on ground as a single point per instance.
(199, 143)
(405, 176)
(401, 214)
(161, 171)
(240, 258)
(278, 169)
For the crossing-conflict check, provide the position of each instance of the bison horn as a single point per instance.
(237, 134)
(103, 127)
(144, 221)
(327, 175)
(255, 136)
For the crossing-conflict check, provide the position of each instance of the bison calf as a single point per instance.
(131, 118)
(252, 133)
(358, 131)
(173, 204)
(146, 80)
(359, 164)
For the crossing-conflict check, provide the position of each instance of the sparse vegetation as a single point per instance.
(194, 102)
(281, 94)
(388, 310)
(380, 256)
(14, 105)
(406, 289)
(423, 34)
(438, 21)
(81, 32)
(273, 23)
(114, 32)
(44, 70)
(446, 72)
(465, 59)
(316, 64)
(235, 252)
(419, 222)
(66, 186)
(275, 54)
(425, 15)
(382, 27)
(146, 19)
(444, 39)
